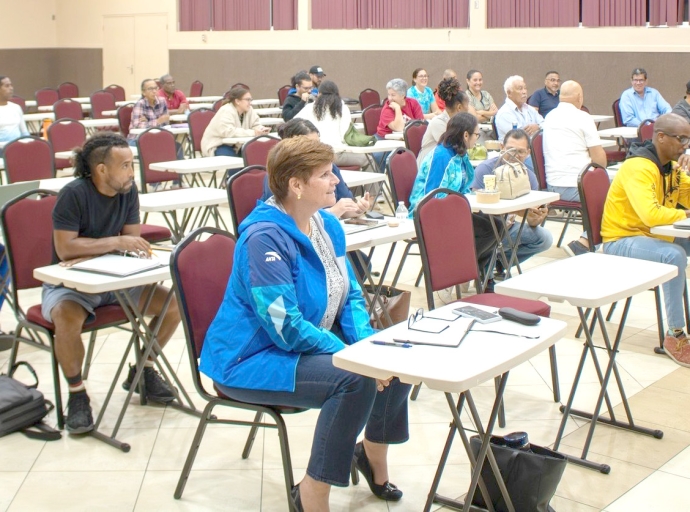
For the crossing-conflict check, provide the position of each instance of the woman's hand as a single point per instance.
(346, 208)
(383, 384)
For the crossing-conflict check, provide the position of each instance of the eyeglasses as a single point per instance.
(247, 99)
(683, 140)
(639, 80)
(476, 134)
(553, 79)
(418, 316)
(422, 76)
(151, 89)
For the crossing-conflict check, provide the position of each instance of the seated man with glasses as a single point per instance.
(534, 238)
(647, 191)
(546, 99)
(571, 141)
(641, 102)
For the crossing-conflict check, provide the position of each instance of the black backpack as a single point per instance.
(22, 407)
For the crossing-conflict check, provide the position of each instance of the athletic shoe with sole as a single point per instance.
(156, 388)
(79, 418)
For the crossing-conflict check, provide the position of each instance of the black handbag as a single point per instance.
(531, 477)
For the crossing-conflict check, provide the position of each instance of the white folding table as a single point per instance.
(268, 111)
(33, 121)
(625, 132)
(479, 358)
(168, 202)
(360, 178)
(144, 338)
(196, 166)
(92, 125)
(591, 281)
(203, 99)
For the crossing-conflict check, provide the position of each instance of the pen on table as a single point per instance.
(391, 344)
(467, 331)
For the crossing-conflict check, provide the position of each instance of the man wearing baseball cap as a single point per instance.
(317, 74)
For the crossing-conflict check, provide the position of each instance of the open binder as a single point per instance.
(118, 265)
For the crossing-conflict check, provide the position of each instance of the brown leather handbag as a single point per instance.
(396, 302)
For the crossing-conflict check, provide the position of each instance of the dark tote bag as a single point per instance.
(531, 477)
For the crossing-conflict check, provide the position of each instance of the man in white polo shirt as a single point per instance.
(12, 125)
(571, 141)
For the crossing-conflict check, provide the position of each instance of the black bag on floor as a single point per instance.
(22, 407)
(531, 477)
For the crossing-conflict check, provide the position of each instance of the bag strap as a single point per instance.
(42, 432)
(16, 365)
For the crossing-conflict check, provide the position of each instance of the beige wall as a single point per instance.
(27, 24)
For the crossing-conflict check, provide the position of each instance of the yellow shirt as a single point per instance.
(640, 198)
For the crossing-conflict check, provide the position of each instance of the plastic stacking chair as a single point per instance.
(19, 101)
(124, 118)
(449, 259)
(570, 207)
(413, 135)
(200, 278)
(66, 135)
(68, 109)
(68, 90)
(255, 151)
(28, 229)
(46, 97)
(283, 94)
(370, 117)
(401, 169)
(369, 97)
(198, 121)
(646, 130)
(197, 89)
(117, 91)
(102, 101)
(155, 145)
(29, 159)
(244, 189)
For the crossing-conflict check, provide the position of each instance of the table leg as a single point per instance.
(477, 463)
(612, 350)
(377, 287)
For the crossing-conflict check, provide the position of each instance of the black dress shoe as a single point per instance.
(387, 491)
(296, 498)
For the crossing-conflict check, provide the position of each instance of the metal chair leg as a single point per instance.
(193, 450)
(501, 410)
(89, 355)
(402, 263)
(252, 436)
(554, 374)
(415, 392)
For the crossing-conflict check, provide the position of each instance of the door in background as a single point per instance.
(134, 48)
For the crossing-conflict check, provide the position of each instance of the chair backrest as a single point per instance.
(197, 89)
(28, 159)
(27, 226)
(584, 109)
(124, 118)
(646, 130)
(617, 116)
(370, 117)
(65, 135)
(117, 91)
(413, 134)
(593, 185)
(537, 144)
(46, 97)
(19, 101)
(155, 145)
(68, 90)
(447, 248)
(200, 273)
(100, 101)
(217, 104)
(198, 121)
(68, 109)
(283, 94)
(244, 189)
(369, 97)
(401, 169)
(255, 151)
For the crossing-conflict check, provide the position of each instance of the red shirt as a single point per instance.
(174, 102)
(411, 110)
(439, 102)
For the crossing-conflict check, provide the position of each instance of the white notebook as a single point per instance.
(682, 224)
(118, 265)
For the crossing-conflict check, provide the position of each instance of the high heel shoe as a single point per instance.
(387, 491)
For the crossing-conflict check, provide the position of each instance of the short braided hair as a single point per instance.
(96, 150)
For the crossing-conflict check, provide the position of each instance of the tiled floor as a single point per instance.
(82, 474)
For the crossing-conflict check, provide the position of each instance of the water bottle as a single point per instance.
(514, 126)
(517, 440)
(401, 212)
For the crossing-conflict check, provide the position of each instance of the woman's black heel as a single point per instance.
(387, 491)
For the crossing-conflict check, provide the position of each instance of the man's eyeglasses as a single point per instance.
(683, 140)
(151, 89)
(639, 80)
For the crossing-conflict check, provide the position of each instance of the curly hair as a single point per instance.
(450, 92)
(328, 98)
(96, 150)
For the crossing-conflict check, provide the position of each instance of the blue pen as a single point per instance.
(391, 344)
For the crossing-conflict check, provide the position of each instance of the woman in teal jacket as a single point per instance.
(293, 301)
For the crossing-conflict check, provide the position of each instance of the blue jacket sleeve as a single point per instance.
(272, 296)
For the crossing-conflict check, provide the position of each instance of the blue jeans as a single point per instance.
(653, 249)
(348, 402)
(533, 240)
(380, 157)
